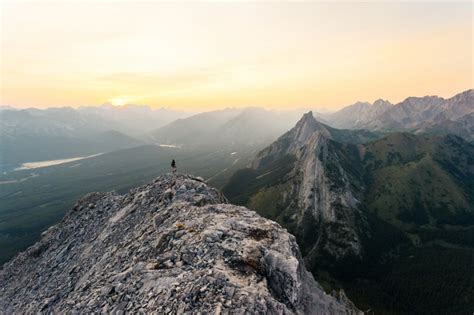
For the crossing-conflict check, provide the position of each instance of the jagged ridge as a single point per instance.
(316, 197)
(171, 246)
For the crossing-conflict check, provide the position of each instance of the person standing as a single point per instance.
(173, 166)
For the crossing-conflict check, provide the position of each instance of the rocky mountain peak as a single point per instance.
(382, 103)
(464, 100)
(171, 246)
(307, 130)
(314, 189)
(306, 127)
(424, 101)
(468, 94)
(308, 119)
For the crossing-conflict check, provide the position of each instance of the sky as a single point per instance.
(195, 56)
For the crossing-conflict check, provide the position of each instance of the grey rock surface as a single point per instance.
(317, 192)
(173, 246)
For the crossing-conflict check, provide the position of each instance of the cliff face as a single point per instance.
(171, 246)
(318, 197)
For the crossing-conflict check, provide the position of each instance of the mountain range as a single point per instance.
(356, 208)
(380, 198)
(454, 115)
(251, 126)
(31, 135)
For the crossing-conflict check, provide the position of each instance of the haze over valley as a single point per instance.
(381, 166)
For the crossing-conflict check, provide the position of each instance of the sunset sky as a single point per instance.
(203, 56)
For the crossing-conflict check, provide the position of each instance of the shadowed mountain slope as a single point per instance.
(358, 209)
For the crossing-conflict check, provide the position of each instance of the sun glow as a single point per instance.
(118, 101)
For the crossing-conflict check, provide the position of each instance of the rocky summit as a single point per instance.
(171, 246)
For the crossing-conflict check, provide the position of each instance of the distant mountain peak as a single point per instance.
(308, 121)
(308, 116)
(381, 102)
(468, 94)
(422, 101)
(307, 132)
(306, 127)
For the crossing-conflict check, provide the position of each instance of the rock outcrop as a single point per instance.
(171, 246)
